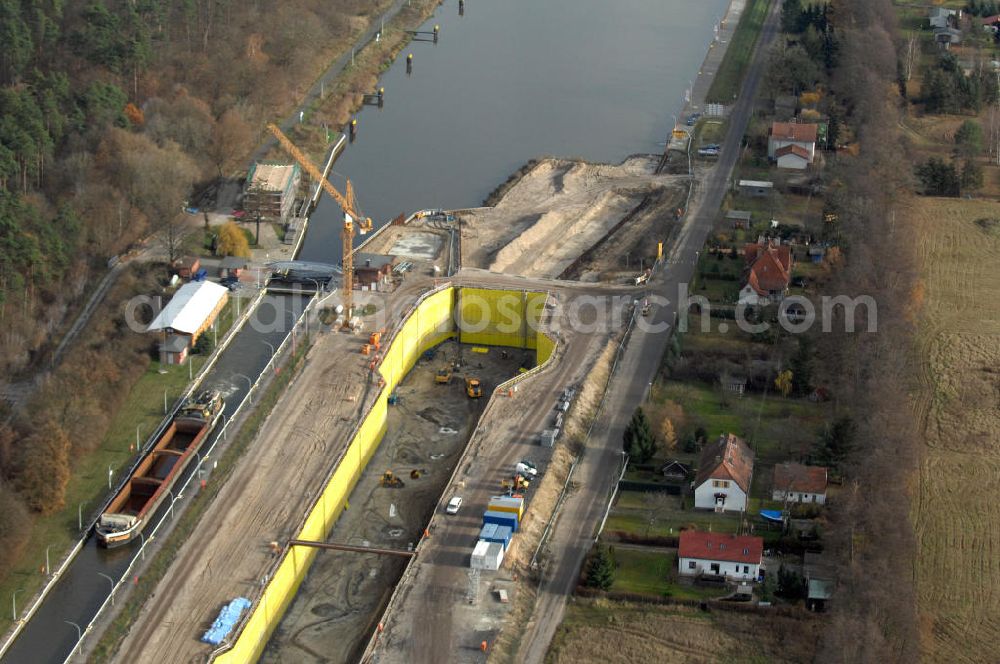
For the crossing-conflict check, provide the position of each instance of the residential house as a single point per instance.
(991, 23)
(796, 483)
(768, 273)
(940, 17)
(725, 469)
(735, 557)
(792, 157)
(675, 471)
(787, 134)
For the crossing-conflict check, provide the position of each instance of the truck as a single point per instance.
(473, 388)
(443, 376)
(129, 511)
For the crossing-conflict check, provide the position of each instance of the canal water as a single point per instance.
(510, 81)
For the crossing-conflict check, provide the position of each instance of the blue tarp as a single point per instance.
(772, 515)
(228, 617)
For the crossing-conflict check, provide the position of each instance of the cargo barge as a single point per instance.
(128, 512)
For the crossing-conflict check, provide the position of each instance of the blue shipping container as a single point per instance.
(501, 519)
(491, 532)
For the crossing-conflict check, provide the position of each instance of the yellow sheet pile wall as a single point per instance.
(430, 324)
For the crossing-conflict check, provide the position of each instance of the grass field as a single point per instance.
(605, 631)
(728, 79)
(955, 511)
(88, 486)
(654, 572)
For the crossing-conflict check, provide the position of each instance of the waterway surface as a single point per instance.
(514, 80)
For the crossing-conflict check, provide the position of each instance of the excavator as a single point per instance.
(390, 480)
(347, 204)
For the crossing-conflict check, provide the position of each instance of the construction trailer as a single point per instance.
(487, 556)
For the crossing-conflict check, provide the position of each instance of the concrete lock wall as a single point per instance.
(430, 323)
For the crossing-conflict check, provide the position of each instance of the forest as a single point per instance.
(112, 115)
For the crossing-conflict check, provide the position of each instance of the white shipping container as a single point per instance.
(487, 555)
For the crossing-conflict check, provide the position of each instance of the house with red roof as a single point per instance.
(786, 135)
(725, 469)
(736, 557)
(768, 273)
(796, 483)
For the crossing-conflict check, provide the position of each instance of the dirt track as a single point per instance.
(228, 551)
(555, 213)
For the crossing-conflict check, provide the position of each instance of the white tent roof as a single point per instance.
(190, 306)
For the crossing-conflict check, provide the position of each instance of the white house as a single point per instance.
(799, 484)
(939, 17)
(735, 557)
(785, 134)
(792, 157)
(724, 472)
(768, 273)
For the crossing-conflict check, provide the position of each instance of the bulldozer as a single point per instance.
(473, 388)
(390, 480)
(443, 376)
(515, 484)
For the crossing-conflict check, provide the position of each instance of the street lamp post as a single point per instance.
(112, 582)
(47, 559)
(79, 516)
(111, 473)
(79, 635)
(13, 602)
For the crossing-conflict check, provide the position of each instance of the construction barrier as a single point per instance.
(429, 323)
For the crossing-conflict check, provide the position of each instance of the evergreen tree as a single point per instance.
(638, 441)
(972, 175)
(791, 15)
(801, 368)
(938, 178)
(601, 570)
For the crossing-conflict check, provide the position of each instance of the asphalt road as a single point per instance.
(572, 536)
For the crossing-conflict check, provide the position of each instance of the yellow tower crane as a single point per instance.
(346, 202)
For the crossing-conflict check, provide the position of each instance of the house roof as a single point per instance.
(728, 458)
(769, 266)
(990, 20)
(792, 149)
(757, 183)
(233, 263)
(720, 546)
(794, 131)
(271, 177)
(372, 261)
(175, 343)
(186, 261)
(796, 477)
(190, 306)
(743, 215)
(677, 466)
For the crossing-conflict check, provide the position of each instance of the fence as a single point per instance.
(100, 504)
(202, 457)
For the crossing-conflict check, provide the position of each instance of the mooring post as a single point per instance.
(409, 64)
(353, 129)
(381, 95)
(437, 29)
(461, 7)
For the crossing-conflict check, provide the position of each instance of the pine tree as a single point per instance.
(601, 570)
(638, 441)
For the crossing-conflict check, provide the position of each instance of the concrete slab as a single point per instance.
(418, 245)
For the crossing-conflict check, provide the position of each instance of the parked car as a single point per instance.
(200, 275)
(692, 119)
(453, 505)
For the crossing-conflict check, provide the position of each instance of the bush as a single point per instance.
(204, 345)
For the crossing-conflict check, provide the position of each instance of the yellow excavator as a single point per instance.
(443, 376)
(390, 480)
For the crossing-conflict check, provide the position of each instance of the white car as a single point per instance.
(453, 505)
(525, 469)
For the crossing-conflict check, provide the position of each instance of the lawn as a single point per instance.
(88, 485)
(710, 131)
(729, 77)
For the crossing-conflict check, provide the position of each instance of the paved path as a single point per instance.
(573, 534)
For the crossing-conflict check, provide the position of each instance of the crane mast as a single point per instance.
(346, 202)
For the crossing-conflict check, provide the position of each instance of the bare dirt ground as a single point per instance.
(956, 512)
(228, 552)
(345, 592)
(605, 631)
(424, 243)
(442, 612)
(556, 212)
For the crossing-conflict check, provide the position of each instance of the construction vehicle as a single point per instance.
(515, 483)
(443, 376)
(389, 480)
(473, 388)
(415, 474)
(646, 308)
(347, 204)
